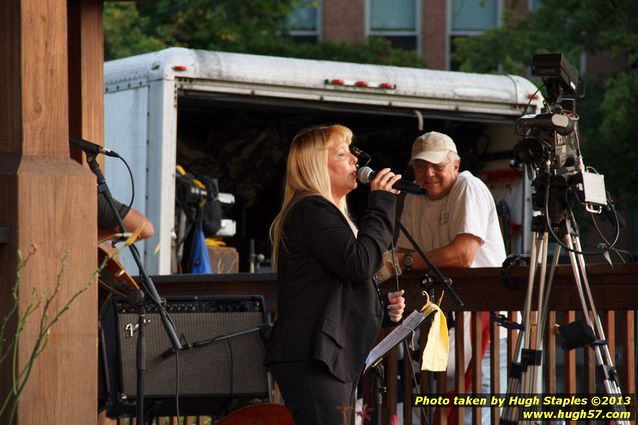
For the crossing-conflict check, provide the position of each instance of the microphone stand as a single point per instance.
(378, 390)
(429, 282)
(262, 329)
(434, 277)
(137, 296)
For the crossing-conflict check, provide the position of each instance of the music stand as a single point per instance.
(433, 278)
(407, 328)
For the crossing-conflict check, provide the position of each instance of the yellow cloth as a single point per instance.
(211, 242)
(437, 349)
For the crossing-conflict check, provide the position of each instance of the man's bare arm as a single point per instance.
(459, 253)
(132, 221)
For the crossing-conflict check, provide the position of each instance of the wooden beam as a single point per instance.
(476, 338)
(569, 361)
(48, 201)
(481, 289)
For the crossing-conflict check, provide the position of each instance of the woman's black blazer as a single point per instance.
(329, 307)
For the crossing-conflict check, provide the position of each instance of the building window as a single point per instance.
(469, 18)
(473, 16)
(304, 23)
(533, 5)
(397, 21)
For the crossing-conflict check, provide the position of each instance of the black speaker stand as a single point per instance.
(136, 299)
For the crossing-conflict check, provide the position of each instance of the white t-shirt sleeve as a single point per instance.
(407, 221)
(471, 211)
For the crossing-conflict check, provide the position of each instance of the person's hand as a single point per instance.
(384, 181)
(396, 306)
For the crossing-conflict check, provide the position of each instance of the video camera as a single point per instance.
(551, 137)
(557, 74)
(550, 144)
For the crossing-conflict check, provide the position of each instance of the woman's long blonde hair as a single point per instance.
(307, 174)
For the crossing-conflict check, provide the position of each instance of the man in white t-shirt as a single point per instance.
(456, 225)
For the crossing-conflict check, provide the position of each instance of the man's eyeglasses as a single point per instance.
(420, 166)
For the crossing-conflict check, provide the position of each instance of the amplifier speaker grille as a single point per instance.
(230, 367)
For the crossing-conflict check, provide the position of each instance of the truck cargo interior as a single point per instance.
(243, 142)
(231, 117)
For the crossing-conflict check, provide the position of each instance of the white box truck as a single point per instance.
(232, 116)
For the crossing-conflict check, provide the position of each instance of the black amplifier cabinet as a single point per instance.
(222, 361)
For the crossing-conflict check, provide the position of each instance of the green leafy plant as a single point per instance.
(39, 307)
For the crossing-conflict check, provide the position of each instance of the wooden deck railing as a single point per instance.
(615, 292)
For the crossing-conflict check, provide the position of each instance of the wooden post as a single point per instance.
(49, 200)
(86, 72)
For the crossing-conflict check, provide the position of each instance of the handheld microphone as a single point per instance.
(92, 148)
(366, 174)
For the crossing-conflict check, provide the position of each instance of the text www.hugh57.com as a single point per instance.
(577, 414)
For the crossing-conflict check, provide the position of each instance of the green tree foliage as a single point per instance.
(374, 50)
(124, 32)
(246, 26)
(608, 123)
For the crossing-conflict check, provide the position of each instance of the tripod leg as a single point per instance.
(544, 292)
(531, 383)
(600, 333)
(517, 367)
(527, 309)
(579, 285)
(548, 290)
(610, 376)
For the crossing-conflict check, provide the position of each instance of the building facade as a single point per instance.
(428, 27)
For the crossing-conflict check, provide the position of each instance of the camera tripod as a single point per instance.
(526, 366)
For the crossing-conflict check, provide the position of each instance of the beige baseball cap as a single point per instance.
(432, 147)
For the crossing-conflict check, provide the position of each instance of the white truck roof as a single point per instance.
(267, 76)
